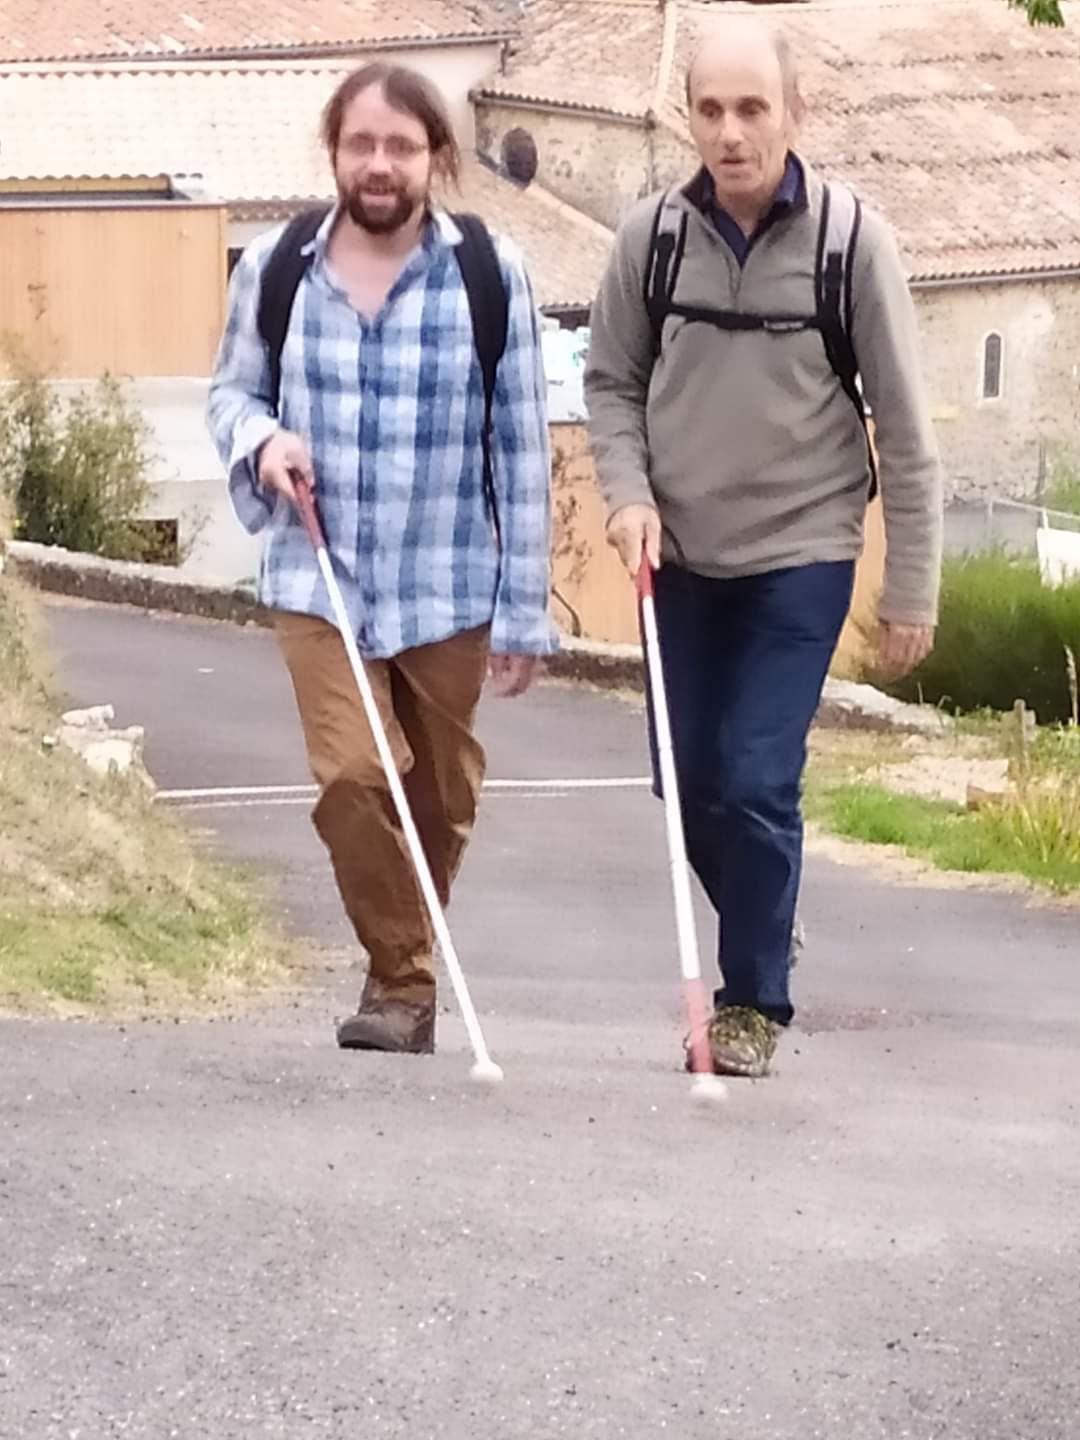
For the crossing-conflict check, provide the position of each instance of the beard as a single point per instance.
(381, 219)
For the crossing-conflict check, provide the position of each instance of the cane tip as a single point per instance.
(486, 1072)
(708, 1090)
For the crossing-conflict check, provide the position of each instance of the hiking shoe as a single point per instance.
(400, 1027)
(742, 1041)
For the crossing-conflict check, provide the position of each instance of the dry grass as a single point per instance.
(104, 900)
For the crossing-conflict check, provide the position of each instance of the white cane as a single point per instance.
(705, 1085)
(484, 1070)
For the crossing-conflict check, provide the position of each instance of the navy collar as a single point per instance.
(791, 197)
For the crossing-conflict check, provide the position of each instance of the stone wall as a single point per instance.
(600, 167)
(991, 447)
(599, 164)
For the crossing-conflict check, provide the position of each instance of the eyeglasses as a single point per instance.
(398, 149)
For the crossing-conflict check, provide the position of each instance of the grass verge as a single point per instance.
(1008, 838)
(1032, 831)
(105, 900)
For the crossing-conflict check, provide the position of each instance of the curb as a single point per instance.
(121, 582)
(613, 667)
(158, 587)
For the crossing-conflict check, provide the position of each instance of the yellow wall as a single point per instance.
(133, 290)
(593, 595)
(853, 652)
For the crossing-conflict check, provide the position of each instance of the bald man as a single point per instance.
(742, 320)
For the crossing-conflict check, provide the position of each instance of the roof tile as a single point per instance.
(128, 29)
(948, 115)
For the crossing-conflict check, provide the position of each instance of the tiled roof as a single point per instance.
(252, 136)
(951, 116)
(565, 250)
(129, 29)
(601, 55)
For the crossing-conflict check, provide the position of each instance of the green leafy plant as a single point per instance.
(1040, 12)
(1003, 636)
(75, 472)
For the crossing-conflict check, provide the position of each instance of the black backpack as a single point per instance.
(838, 234)
(482, 276)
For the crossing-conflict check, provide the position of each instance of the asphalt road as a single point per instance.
(228, 1229)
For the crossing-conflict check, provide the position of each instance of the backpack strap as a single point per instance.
(278, 284)
(841, 219)
(838, 235)
(667, 244)
(489, 306)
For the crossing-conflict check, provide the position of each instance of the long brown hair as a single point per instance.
(411, 93)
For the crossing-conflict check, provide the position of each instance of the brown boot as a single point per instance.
(402, 1027)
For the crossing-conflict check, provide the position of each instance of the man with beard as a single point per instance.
(434, 495)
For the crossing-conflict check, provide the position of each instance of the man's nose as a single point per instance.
(378, 162)
(730, 132)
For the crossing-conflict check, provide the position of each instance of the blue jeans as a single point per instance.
(745, 661)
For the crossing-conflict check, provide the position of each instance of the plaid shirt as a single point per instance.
(392, 413)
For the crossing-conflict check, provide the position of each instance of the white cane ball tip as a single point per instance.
(708, 1090)
(486, 1072)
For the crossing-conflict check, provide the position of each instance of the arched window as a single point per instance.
(993, 366)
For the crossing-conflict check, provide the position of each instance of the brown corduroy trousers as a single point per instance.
(427, 698)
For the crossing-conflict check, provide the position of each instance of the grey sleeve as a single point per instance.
(888, 349)
(618, 370)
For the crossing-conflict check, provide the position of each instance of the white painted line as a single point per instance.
(619, 782)
(269, 802)
(235, 792)
(298, 794)
(187, 806)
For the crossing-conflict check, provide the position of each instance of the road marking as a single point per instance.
(243, 797)
(236, 792)
(189, 806)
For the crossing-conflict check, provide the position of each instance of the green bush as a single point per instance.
(1002, 637)
(1063, 489)
(1041, 12)
(75, 473)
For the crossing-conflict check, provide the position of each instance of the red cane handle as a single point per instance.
(645, 578)
(305, 504)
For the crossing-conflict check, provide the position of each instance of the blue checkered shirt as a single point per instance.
(392, 413)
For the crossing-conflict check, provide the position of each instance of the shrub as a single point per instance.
(1003, 636)
(1063, 487)
(75, 473)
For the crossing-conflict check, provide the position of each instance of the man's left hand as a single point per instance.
(901, 648)
(512, 674)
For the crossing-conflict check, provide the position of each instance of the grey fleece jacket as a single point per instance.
(746, 441)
